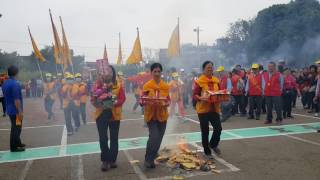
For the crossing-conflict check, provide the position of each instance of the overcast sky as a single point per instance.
(91, 23)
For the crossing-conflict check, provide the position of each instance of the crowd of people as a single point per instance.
(253, 92)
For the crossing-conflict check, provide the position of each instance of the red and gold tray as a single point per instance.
(219, 96)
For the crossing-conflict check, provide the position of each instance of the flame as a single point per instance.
(183, 146)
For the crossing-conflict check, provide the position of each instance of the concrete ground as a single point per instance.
(290, 152)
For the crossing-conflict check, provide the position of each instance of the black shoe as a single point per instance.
(149, 165)
(216, 150)
(18, 149)
(4, 115)
(290, 117)
(22, 145)
(113, 165)
(70, 133)
(250, 117)
(105, 166)
(318, 130)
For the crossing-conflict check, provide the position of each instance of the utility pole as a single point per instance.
(197, 30)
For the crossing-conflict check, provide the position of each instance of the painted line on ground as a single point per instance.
(302, 115)
(63, 146)
(232, 167)
(140, 142)
(26, 170)
(77, 168)
(190, 175)
(135, 167)
(303, 140)
(91, 122)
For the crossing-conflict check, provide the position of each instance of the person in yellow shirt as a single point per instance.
(108, 97)
(71, 103)
(49, 95)
(207, 111)
(176, 95)
(155, 99)
(83, 97)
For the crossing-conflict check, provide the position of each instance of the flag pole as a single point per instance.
(39, 69)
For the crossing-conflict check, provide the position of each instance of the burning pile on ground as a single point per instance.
(181, 157)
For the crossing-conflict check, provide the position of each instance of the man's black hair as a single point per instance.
(13, 70)
(206, 63)
(156, 65)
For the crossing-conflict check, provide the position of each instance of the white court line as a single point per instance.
(222, 161)
(25, 170)
(77, 168)
(225, 131)
(135, 167)
(302, 115)
(34, 127)
(91, 122)
(63, 146)
(302, 140)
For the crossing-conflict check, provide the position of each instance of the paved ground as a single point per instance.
(250, 150)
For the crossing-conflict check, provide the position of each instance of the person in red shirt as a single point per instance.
(237, 93)
(254, 89)
(272, 92)
(290, 86)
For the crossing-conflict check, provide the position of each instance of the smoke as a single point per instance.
(295, 56)
(172, 126)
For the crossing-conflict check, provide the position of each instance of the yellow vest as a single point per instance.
(50, 87)
(116, 111)
(71, 93)
(175, 90)
(203, 82)
(155, 112)
(83, 91)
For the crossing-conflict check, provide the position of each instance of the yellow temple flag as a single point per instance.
(36, 51)
(119, 60)
(174, 43)
(57, 42)
(105, 54)
(65, 48)
(136, 54)
(56, 54)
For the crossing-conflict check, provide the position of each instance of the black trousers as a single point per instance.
(263, 105)
(276, 102)
(287, 99)
(295, 96)
(104, 123)
(15, 133)
(135, 106)
(304, 99)
(255, 103)
(214, 119)
(3, 105)
(48, 104)
(239, 105)
(156, 133)
(71, 111)
(83, 113)
(60, 100)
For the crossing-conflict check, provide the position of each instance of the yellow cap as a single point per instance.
(78, 75)
(220, 69)
(59, 74)
(48, 75)
(318, 61)
(120, 73)
(69, 76)
(175, 74)
(66, 74)
(255, 66)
